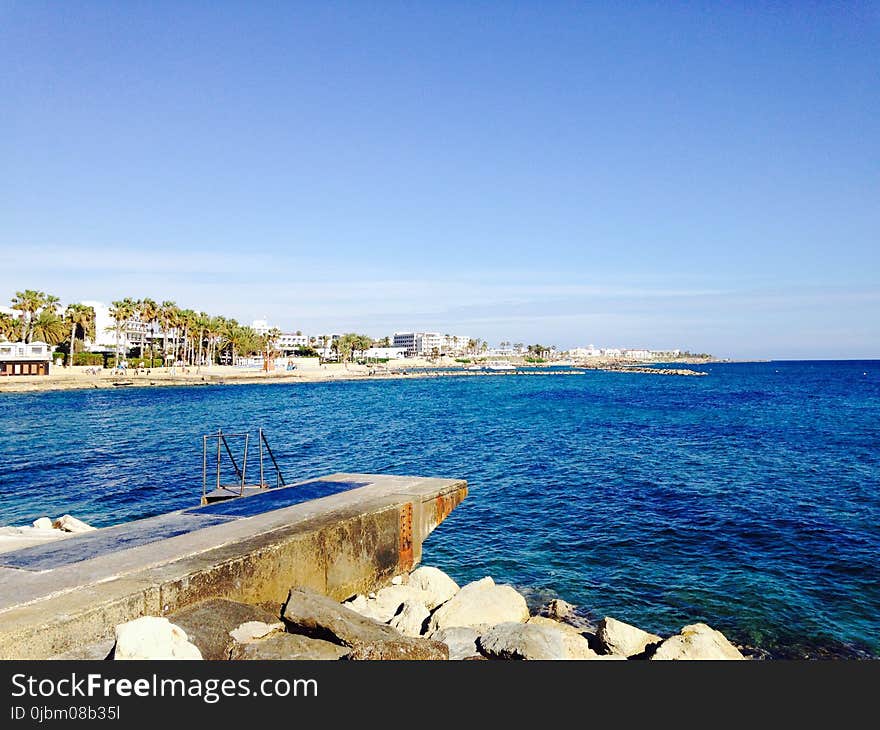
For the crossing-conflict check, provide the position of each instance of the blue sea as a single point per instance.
(748, 499)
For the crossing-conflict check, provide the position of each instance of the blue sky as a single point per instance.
(700, 175)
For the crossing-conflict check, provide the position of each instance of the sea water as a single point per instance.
(748, 499)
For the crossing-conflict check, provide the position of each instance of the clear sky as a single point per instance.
(696, 175)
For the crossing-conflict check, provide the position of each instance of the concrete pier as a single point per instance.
(340, 534)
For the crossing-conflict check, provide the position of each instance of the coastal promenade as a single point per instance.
(340, 535)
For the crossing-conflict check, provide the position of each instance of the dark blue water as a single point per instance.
(749, 499)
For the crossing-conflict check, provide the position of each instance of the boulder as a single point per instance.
(385, 603)
(558, 609)
(42, 523)
(617, 637)
(553, 623)
(397, 580)
(697, 641)
(208, 624)
(480, 603)
(566, 613)
(71, 524)
(310, 613)
(534, 641)
(287, 647)
(153, 637)
(253, 630)
(402, 649)
(461, 640)
(434, 583)
(411, 618)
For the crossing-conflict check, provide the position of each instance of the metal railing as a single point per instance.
(241, 472)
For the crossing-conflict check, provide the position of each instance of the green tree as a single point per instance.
(149, 312)
(8, 326)
(79, 317)
(121, 312)
(167, 317)
(29, 302)
(48, 327)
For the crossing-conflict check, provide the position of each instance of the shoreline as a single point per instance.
(77, 378)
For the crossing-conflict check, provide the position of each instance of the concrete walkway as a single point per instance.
(340, 534)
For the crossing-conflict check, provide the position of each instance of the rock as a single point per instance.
(534, 641)
(616, 637)
(553, 623)
(153, 637)
(71, 524)
(358, 603)
(308, 612)
(288, 647)
(480, 603)
(42, 523)
(208, 624)
(397, 580)
(411, 618)
(402, 649)
(461, 640)
(253, 630)
(387, 602)
(558, 609)
(697, 641)
(434, 583)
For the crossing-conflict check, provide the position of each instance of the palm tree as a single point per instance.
(48, 327)
(83, 317)
(121, 312)
(167, 316)
(201, 324)
(149, 313)
(28, 302)
(8, 326)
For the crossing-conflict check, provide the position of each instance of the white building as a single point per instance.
(638, 354)
(384, 353)
(292, 341)
(21, 358)
(429, 344)
(105, 330)
(580, 353)
(455, 344)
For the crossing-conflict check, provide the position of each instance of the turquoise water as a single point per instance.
(749, 499)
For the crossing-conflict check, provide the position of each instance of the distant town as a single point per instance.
(37, 330)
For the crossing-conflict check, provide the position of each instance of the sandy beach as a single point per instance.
(308, 370)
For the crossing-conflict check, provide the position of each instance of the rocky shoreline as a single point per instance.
(422, 615)
(645, 370)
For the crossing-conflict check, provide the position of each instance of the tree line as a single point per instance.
(187, 335)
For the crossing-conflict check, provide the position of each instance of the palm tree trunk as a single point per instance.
(72, 341)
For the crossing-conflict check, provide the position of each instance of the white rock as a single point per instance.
(553, 623)
(534, 641)
(153, 637)
(697, 641)
(71, 524)
(386, 603)
(253, 630)
(481, 603)
(411, 618)
(397, 580)
(461, 640)
(358, 603)
(437, 586)
(42, 523)
(617, 637)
